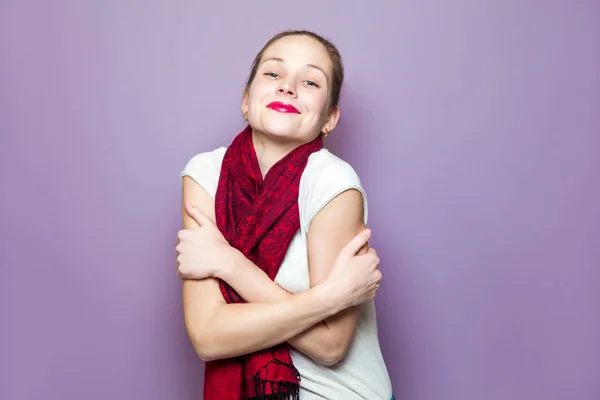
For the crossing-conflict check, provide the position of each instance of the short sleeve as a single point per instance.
(205, 169)
(326, 177)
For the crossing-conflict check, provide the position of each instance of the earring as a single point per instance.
(246, 115)
(325, 132)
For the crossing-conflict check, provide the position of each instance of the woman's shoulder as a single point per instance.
(325, 168)
(205, 169)
(326, 176)
(207, 159)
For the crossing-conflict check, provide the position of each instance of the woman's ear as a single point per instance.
(244, 105)
(332, 120)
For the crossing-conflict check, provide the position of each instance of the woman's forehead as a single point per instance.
(298, 49)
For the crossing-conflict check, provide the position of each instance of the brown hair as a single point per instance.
(337, 69)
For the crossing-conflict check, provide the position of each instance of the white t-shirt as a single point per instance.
(362, 373)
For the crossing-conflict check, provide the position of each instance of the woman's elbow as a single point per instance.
(204, 345)
(331, 355)
(328, 361)
(201, 347)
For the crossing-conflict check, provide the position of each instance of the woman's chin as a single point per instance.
(281, 130)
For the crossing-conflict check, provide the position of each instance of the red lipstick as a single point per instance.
(282, 107)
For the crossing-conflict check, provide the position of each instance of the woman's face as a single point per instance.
(288, 98)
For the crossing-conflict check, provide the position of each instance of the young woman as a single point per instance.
(278, 279)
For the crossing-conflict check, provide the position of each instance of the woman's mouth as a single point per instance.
(283, 108)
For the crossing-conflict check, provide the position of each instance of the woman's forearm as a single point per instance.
(254, 286)
(249, 281)
(236, 329)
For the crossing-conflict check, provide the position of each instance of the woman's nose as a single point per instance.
(286, 89)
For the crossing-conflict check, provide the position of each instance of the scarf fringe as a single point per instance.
(280, 390)
(284, 391)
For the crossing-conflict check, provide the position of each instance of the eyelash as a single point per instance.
(274, 75)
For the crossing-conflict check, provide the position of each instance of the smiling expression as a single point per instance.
(289, 96)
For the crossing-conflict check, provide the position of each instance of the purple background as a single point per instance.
(475, 128)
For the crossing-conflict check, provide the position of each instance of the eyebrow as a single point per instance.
(282, 60)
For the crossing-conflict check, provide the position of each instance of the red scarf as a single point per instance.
(259, 217)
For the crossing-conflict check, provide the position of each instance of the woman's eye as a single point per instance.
(311, 83)
(272, 74)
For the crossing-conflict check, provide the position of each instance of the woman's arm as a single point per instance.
(333, 227)
(219, 330)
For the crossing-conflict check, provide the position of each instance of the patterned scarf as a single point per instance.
(259, 217)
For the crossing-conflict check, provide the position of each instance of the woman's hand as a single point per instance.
(202, 252)
(355, 278)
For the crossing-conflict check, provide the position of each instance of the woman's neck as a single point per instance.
(269, 152)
